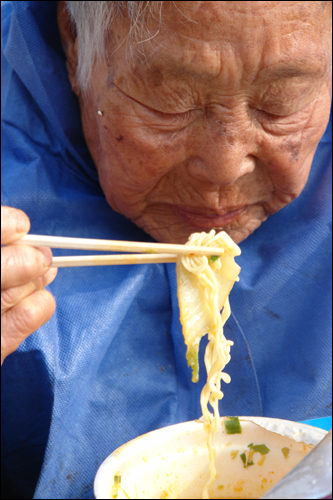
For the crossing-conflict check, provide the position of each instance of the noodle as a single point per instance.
(204, 285)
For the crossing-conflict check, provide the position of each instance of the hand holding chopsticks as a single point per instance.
(152, 252)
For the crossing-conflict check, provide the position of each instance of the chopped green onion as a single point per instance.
(261, 448)
(246, 462)
(116, 485)
(220, 487)
(213, 258)
(193, 362)
(285, 451)
(232, 425)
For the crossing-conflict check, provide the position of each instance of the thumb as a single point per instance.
(14, 224)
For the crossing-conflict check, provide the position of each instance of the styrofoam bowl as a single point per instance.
(172, 462)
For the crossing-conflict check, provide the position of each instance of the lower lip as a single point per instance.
(210, 221)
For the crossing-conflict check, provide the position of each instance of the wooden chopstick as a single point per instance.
(112, 260)
(115, 246)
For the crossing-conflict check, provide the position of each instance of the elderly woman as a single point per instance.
(154, 120)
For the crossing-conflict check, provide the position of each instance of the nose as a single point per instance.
(222, 153)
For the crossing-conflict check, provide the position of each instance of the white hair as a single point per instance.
(93, 21)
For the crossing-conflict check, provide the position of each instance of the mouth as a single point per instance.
(208, 221)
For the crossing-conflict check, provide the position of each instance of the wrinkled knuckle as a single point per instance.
(26, 318)
(7, 298)
(26, 259)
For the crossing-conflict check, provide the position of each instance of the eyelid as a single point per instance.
(300, 106)
(274, 116)
(170, 115)
(156, 111)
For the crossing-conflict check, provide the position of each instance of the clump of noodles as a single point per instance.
(204, 285)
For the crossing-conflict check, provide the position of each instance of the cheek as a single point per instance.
(142, 156)
(288, 165)
(288, 158)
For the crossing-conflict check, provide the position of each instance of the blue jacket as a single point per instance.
(110, 364)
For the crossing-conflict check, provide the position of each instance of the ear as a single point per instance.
(69, 43)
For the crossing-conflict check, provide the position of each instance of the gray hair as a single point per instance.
(92, 22)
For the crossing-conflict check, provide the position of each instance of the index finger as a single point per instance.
(14, 224)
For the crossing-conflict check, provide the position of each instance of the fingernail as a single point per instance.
(47, 254)
(21, 221)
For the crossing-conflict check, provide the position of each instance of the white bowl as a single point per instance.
(173, 462)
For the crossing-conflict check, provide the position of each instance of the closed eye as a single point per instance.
(274, 116)
(171, 116)
(170, 121)
(157, 112)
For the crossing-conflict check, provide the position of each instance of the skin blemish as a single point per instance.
(156, 77)
(110, 83)
(222, 131)
(120, 138)
(293, 148)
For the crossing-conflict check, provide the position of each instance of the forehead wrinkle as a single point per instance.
(295, 52)
(227, 27)
(204, 61)
(207, 64)
(199, 63)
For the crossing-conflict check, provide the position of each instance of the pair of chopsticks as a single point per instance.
(150, 253)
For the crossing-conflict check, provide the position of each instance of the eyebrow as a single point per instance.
(179, 70)
(290, 71)
(271, 72)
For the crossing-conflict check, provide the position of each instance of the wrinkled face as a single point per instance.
(217, 125)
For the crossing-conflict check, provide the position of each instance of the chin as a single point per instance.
(240, 234)
(243, 227)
